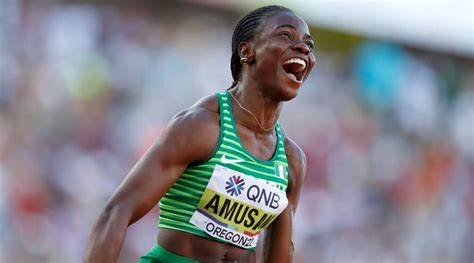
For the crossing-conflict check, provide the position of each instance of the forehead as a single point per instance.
(285, 18)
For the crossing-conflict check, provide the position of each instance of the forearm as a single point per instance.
(107, 236)
(277, 250)
(278, 245)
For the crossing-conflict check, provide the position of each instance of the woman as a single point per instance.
(223, 170)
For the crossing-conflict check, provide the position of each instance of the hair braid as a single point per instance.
(245, 30)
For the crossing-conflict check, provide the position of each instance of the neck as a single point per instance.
(263, 107)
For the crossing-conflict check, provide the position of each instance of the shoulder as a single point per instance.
(296, 170)
(195, 129)
(296, 165)
(202, 113)
(295, 155)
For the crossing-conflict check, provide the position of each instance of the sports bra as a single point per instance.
(232, 196)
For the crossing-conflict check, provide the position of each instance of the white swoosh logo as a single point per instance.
(225, 160)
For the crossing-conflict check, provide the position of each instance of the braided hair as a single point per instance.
(245, 30)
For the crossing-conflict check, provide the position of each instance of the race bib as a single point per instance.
(235, 207)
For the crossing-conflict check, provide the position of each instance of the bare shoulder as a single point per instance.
(209, 103)
(295, 155)
(297, 170)
(199, 119)
(195, 129)
(204, 112)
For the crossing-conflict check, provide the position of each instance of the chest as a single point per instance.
(261, 146)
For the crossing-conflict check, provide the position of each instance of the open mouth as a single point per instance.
(294, 68)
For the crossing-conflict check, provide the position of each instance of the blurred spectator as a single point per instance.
(86, 88)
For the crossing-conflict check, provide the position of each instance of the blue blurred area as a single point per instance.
(379, 68)
(86, 88)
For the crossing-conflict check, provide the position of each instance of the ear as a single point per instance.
(246, 51)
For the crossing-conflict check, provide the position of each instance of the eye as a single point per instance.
(310, 45)
(286, 35)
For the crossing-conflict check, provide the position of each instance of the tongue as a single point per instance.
(293, 67)
(291, 76)
(293, 70)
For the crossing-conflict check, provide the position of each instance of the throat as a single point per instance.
(258, 119)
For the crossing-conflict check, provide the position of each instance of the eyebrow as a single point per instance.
(293, 27)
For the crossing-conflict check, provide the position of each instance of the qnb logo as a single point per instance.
(235, 185)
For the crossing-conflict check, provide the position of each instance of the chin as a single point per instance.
(288, 88)
(289, 92)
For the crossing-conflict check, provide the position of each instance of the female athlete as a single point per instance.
(223, 170)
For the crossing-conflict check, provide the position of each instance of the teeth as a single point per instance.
(297, 61)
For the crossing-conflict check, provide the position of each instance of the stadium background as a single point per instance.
(87, 86)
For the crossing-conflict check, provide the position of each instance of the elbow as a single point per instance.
(105, 217)
(95, 248)
(106, 238)
(118, 212)
(113, 216)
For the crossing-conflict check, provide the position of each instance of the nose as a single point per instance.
(302, 47)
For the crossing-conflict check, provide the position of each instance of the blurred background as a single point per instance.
(386, 121)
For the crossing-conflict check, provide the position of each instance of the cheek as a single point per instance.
(312, 62)
(268, 59)
(266, 62)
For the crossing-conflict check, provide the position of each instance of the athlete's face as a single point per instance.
(283, 54)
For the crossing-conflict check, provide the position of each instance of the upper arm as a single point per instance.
(297, 172)
(190, 137)
(278, 237)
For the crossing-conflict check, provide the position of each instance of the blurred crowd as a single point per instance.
(86, 88)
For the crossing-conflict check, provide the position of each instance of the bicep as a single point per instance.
(278, 239)
(145, 184)
(297, 171)
(160, 167)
